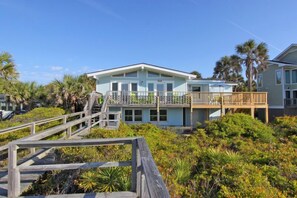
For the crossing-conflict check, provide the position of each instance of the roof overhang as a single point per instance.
(141, 66)
(281, 64)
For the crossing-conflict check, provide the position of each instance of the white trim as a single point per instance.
(159, 116)
(142, 66)
(275, 107)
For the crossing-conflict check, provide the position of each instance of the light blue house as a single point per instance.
(163, 96)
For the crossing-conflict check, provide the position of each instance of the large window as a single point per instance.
(154, 115)
(128, 115)
(153, 74)
(127, 75)
(260, 80)
(288, 76)
(294, 76)
(278, 77)
(138, 115)
(133, 115)
(131, 74)
(163, 115)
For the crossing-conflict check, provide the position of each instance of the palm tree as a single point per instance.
(7, 67)
(70, 92)
(254, 58)
(228, 68)
(198, 74)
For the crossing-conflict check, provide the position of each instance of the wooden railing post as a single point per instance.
(14, 183)
(80, 117)
(134, 166)
(139, 172)
(69, 131)
(33, 130)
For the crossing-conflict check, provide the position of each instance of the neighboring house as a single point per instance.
(280, 81)
(168, 97)
(5, 103)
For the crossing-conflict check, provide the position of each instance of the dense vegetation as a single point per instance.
(31, 116)
(236, 156)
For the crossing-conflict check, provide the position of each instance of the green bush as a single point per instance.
(286, 126)
(239, 125)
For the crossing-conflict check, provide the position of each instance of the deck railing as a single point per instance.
(184, 98)
(146, 180)
(290, 102)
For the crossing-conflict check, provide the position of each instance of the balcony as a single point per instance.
(187, 99)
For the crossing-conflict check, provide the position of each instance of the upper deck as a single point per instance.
(187, 99)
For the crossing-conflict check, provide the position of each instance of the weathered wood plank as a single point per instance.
(134, 166)
(123, 194)
(155, 184)
(84, 142)
(74, 166)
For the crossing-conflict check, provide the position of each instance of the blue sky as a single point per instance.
(49, 38)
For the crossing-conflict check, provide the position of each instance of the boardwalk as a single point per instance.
(146, 180)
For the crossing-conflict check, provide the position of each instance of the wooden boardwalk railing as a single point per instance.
(72, 126)
(146, 180)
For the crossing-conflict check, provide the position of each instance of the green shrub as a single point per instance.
(239, 125)
(286, 126)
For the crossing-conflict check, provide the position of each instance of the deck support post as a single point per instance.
(191, 113)
(253, 112)
(14, 183)
(266, 115)
(158, 109)
(222, 105)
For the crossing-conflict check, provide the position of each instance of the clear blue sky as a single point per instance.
(49, 38)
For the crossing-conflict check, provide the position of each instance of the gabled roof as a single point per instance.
(285, 52)
(142, 66)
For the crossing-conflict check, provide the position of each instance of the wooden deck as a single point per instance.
(188, 99)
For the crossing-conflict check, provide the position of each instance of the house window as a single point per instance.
(153, 74)
(134, 86)
(133, 115)
(118, 75)
(138, 115)
(128, 115)
(278, 77)
(288, 76)
(260, 80)
(163, 115)
(131, 74)
(154, 115)
(127, 75)
(166, 76)
(294, 76)
(150, 86)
